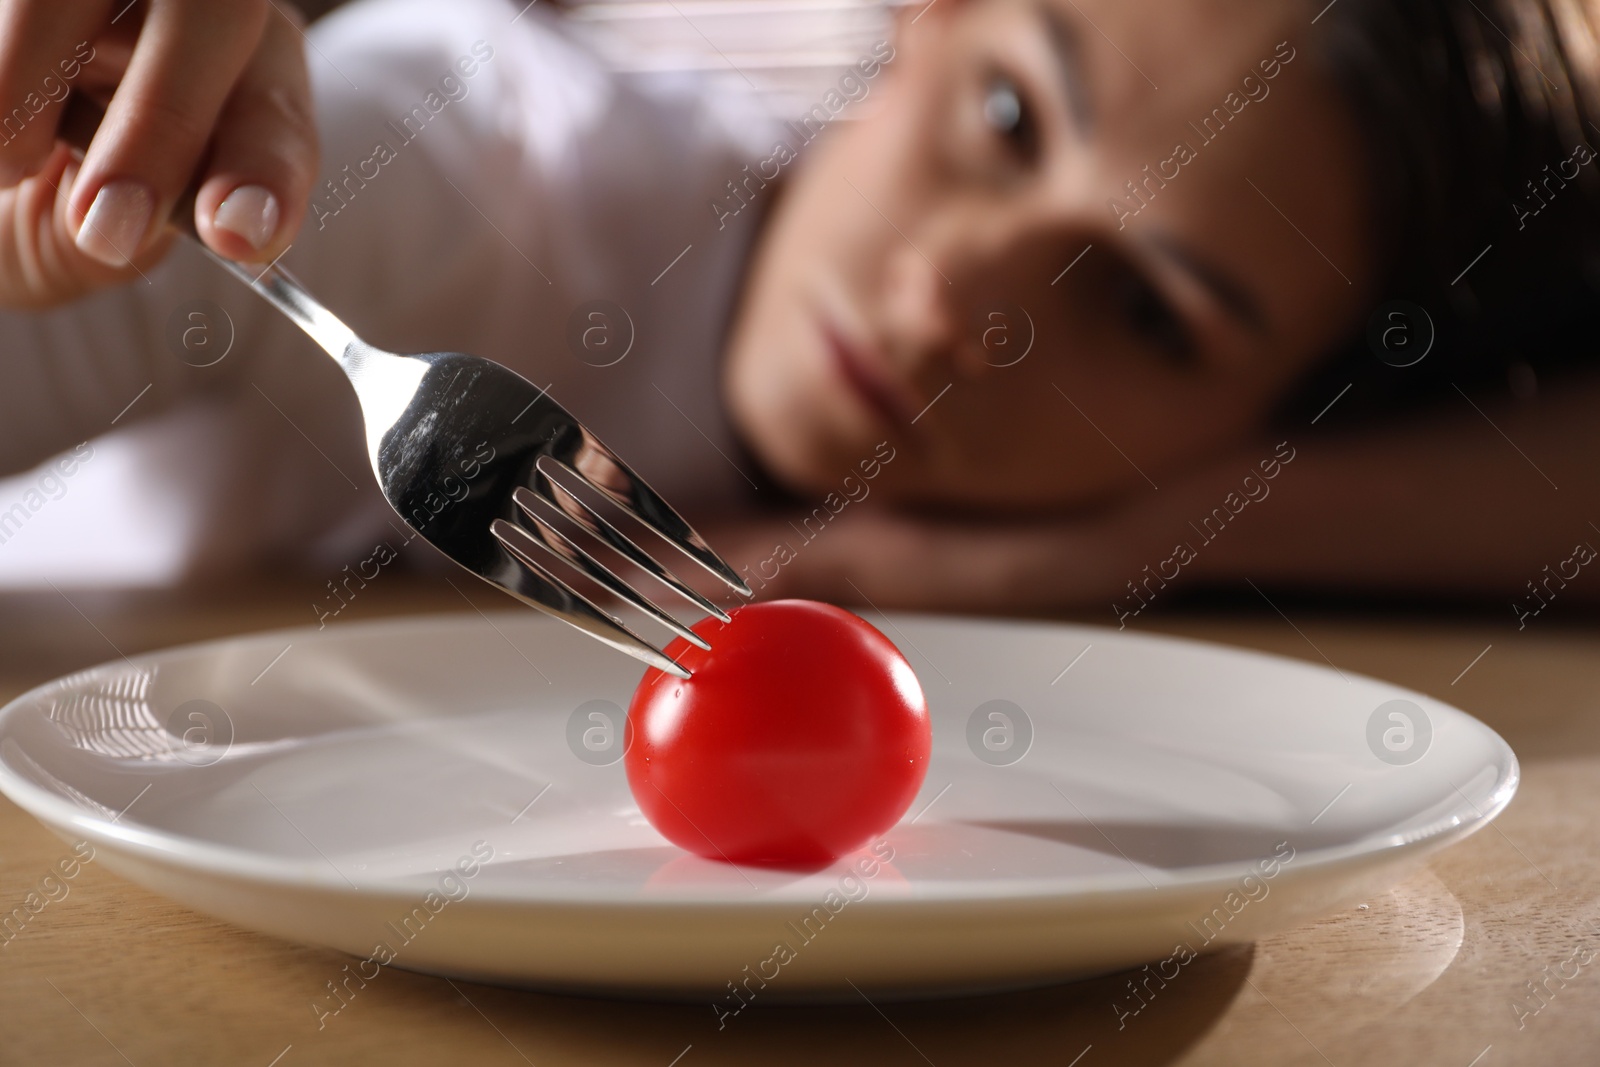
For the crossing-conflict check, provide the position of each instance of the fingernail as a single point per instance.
(116, 222)
(250, 212)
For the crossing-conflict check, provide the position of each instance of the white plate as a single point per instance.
(320, 785)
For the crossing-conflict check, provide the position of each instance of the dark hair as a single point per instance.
(1476, 114)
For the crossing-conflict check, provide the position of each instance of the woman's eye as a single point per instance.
(1152, 318)
(1007, 114)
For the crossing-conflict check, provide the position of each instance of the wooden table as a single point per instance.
(1429, 973)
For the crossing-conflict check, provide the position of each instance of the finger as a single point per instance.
(37, 254)
(264, 155)
(44, 48)
(28, 232)
(188, 57)
(892, 562)
(59, 256)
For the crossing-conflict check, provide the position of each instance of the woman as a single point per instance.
(1115, 294)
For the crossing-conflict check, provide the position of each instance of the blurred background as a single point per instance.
(787, 51)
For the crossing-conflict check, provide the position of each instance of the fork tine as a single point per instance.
(557, 598)
(575, 556)
(644, 504)
(599, 526)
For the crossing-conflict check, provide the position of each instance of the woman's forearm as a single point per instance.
(1476, 497)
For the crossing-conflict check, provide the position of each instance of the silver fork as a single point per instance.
(465, 451)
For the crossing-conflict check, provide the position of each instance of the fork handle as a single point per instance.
(80, 119)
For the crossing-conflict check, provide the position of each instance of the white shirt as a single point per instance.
(540, 182)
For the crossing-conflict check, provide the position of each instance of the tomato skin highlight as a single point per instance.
(803, 735)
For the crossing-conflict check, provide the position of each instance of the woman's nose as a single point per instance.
(920, 320)
(958, 300)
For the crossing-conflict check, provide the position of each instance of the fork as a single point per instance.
(467, 452)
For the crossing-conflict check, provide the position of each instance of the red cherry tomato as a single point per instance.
(802, 735)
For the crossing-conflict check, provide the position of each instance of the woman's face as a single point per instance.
(967, 273)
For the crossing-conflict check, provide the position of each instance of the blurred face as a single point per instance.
(1037, 274)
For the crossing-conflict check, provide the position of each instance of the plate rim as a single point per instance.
(221, 861)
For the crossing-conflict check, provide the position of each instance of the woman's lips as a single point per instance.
(891, 403)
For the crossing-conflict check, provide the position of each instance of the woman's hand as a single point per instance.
(214, 90)
(1117, 559)
(1456, 500)
(888, 560)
